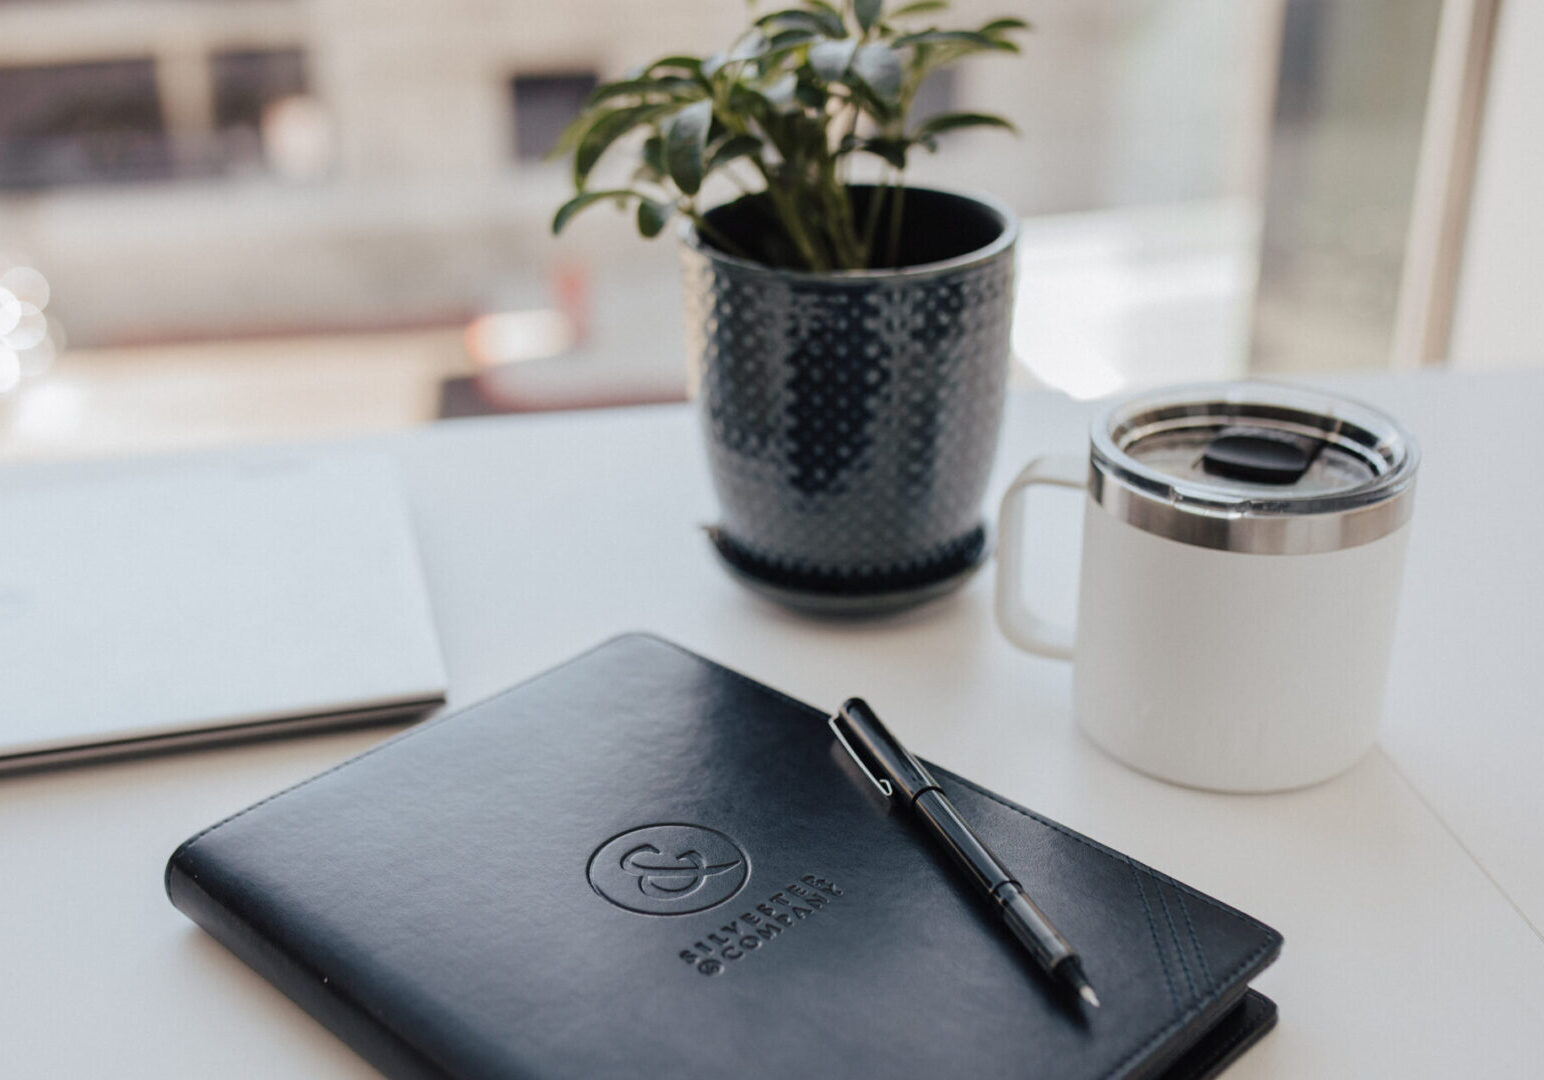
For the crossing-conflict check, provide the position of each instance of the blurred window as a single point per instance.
(247, 86)
(107, 121)
(245, 83)
(543, 106)
(82, 123)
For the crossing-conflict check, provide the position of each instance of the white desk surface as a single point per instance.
(1410, 890)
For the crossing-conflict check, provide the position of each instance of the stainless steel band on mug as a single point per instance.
(1145, 470)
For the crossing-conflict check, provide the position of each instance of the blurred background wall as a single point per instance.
(1498, 320)
(316, 201)
(201, 168)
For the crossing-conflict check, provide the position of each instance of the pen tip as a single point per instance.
(1071, 973)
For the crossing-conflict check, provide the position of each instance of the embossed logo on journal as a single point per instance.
(668, 869)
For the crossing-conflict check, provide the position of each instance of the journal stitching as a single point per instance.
(1271, 941)
(1179, 948)
(1152, 928)
(1195, 939)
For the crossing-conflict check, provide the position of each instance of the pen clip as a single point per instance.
(883, 785)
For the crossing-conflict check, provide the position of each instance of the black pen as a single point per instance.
(877, 751)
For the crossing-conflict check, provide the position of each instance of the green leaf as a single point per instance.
(831, 13)
(690, 64)
(954, 37)
(892, 150)
(787, 40)
(821, 19)
(999, 26)
(936, 125)
(567, 211)
(750, 45)
(670, 86)
(882, 110)
(774, 59)
(685, 136)
(749, 103)
(736, 146)
(781, 91)
(830, 59)
(809, 95)
(654, 154)
(607, 129)
(921, 7)
(570, 136)
(652, 216)
(880, 67)
(867, 12)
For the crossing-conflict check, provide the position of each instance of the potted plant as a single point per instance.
(849, 341)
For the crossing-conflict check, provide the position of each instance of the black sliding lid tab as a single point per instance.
(1260, 455)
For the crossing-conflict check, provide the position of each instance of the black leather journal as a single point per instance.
(643, 864)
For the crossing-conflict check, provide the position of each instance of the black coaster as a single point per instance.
(855, 592)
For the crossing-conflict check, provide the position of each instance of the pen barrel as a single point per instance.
(900, 774)
(1024, 918)
(961, 841)
(1032, 928)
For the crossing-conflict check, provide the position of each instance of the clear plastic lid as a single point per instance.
(1254, 467)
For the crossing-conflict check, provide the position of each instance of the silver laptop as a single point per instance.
(172, 605)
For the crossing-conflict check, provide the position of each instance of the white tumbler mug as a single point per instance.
(1243, 547)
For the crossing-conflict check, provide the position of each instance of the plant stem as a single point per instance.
(896, 203)
(837, 208)
(793, 224)
(871, 225)
(852, 129)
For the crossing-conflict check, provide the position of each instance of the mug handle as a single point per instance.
(1018, 623)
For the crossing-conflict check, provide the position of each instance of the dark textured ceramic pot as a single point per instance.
(852, 417)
